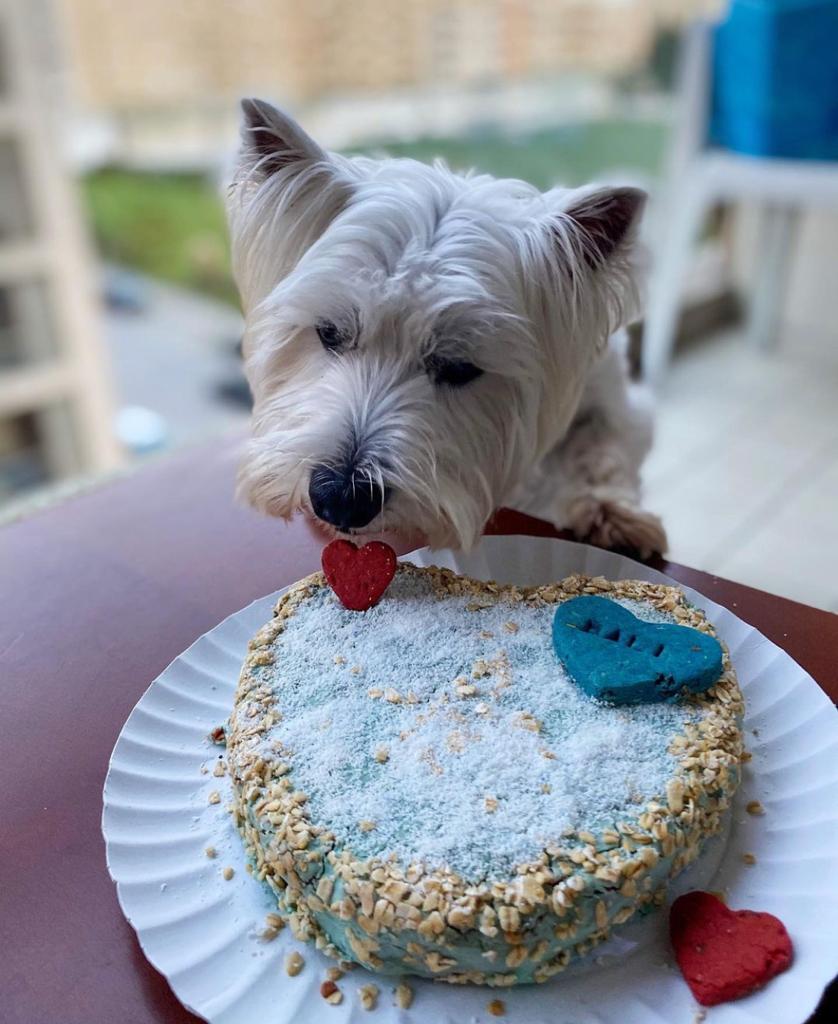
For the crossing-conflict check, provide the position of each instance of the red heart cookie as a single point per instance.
(359, 576)
(725, 954)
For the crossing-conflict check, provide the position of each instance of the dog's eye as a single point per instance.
(453, 372)
(331, 335)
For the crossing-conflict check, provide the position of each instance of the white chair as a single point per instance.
(700, 177)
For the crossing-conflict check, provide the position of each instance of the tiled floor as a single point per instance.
(745, 465)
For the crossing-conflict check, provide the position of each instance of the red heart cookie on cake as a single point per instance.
(726, 954)
(359, 576)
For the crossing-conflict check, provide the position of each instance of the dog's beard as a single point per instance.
(446, 461)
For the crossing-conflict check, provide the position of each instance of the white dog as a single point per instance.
(424, 346)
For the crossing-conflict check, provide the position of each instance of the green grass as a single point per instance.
(567, 156)
(171, 226)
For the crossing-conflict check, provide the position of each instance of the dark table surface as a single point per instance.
(98, 595)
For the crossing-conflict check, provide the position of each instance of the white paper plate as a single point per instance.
(200, 931)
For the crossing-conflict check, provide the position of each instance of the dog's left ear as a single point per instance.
(606, 221)
(272, 141)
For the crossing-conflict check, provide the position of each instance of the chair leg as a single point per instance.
(670, 268)
(776, 236)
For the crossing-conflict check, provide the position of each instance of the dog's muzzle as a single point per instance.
(344, 498)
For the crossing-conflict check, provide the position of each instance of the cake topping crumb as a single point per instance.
(214, 797)
(211, 852)
(497, 1008)
(675, 795)
(527, 721)
(754, 807)
(464, 688)
(228, 873)
(749, 858)
(331, 993)
(404, 996)
(294, 963)
(369, 996)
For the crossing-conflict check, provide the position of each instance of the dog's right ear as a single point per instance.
(285, 192)
(272, 141)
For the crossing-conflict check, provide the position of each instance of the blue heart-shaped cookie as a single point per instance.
(620, 659)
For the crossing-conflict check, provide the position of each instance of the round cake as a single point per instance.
(427, 792)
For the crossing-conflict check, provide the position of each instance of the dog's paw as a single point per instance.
(612, 524)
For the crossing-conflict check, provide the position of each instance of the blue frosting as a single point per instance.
(617, 658)
(446, 752)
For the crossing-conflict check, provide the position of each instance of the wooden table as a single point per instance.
(98, 596)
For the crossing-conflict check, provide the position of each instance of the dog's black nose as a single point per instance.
(345, 498)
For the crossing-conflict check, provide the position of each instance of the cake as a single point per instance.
(426, 791)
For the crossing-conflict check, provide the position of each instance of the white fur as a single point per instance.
(423, 259)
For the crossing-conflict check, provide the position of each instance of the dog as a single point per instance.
(425, 346)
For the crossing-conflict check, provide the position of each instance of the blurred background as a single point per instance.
(119, 327)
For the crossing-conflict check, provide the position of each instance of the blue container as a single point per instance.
(775, 79)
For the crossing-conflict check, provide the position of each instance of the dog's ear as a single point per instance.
(606, 221)
(272, 141)
(285, 192)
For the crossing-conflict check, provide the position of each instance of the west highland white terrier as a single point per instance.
(425, 346)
